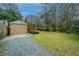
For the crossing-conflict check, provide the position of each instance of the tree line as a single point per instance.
(58, 17)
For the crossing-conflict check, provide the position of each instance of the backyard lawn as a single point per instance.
(58, 43)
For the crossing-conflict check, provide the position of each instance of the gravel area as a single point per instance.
(21, 46)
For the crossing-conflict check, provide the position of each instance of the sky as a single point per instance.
(28, 9)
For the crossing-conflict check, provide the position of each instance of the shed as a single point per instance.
(18, 28)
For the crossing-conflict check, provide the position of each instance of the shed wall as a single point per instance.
(18, 29)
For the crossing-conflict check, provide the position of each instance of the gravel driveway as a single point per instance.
(21, 46)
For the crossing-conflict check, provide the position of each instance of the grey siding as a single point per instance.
(3, 29)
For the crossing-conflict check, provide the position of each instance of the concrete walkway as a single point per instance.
(21, 46)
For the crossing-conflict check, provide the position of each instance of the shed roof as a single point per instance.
(18, 22)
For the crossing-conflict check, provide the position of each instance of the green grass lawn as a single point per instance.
(58, 43)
